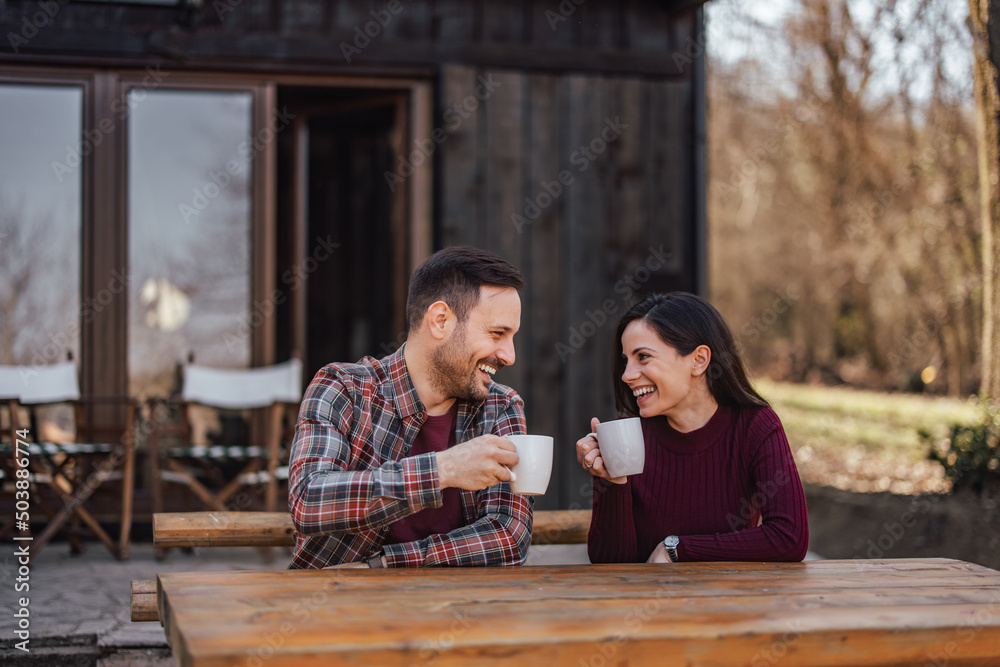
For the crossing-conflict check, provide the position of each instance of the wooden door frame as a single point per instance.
(411, 209)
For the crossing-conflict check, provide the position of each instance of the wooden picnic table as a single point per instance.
(848, 612)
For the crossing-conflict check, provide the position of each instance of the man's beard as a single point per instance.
(450, 371)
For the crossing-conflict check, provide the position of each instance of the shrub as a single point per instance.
(970, 455)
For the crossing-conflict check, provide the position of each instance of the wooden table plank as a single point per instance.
(794, 645)
(686, 580)
(698, 576)
(825, 612)
(679, 586)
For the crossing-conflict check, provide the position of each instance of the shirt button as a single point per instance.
(420, 415)
(385, 529)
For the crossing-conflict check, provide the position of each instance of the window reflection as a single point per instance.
(40, 130)
(189, 212)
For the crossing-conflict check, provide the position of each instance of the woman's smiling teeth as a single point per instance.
(489, 370)
(642, 391)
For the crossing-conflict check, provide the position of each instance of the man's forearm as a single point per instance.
(495, 539)
(326, 501)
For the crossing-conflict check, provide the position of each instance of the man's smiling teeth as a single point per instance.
(642, 391)
(487, 369)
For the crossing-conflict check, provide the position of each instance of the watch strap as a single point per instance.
(671, 549)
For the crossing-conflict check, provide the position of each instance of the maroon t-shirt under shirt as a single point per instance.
(436, 435)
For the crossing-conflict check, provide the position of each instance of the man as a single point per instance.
(401, 462)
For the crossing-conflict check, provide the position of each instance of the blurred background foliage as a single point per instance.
(843, 200)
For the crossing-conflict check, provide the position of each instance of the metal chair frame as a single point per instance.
(73, 471)
(270, 390)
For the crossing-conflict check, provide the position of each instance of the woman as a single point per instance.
(719, 481)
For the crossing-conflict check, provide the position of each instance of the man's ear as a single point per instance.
(439, 319)
(700, 358)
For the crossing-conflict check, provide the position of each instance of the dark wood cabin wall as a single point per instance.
(560, 83)
(622, 212)
(628, 35)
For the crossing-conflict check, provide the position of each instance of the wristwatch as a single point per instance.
(376, 561)
(670, 544)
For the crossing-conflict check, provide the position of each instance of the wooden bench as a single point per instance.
(275, 529)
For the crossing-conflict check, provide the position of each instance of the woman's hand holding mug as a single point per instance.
(588, 454)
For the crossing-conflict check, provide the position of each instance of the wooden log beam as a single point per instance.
(143, 600)
(222, 529)
(275, 529)
(560, 527)
(183, 49)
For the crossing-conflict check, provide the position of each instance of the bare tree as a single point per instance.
(849, 186)
(38, 324)
(984, 22)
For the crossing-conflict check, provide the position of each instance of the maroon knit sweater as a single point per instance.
(729, 490)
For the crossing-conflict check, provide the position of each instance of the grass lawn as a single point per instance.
(864, 440)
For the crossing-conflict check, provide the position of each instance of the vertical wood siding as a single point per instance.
(611, 221)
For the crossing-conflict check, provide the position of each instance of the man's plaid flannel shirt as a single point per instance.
(351, 474)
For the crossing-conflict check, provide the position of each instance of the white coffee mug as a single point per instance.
(623, 448)
(530, 477)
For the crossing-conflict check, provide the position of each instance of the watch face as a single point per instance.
(671, 541)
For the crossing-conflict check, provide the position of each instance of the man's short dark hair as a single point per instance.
(456, 275)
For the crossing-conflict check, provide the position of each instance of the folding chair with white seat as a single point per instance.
(73, 467)
(270, 390)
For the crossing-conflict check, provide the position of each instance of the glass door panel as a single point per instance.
(40, 208)
(190, 157)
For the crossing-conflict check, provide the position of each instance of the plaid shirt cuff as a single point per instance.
(421, 486)
(407, 554)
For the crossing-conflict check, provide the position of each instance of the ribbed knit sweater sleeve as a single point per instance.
(730, 491)
(783, 533)
(612, 528)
